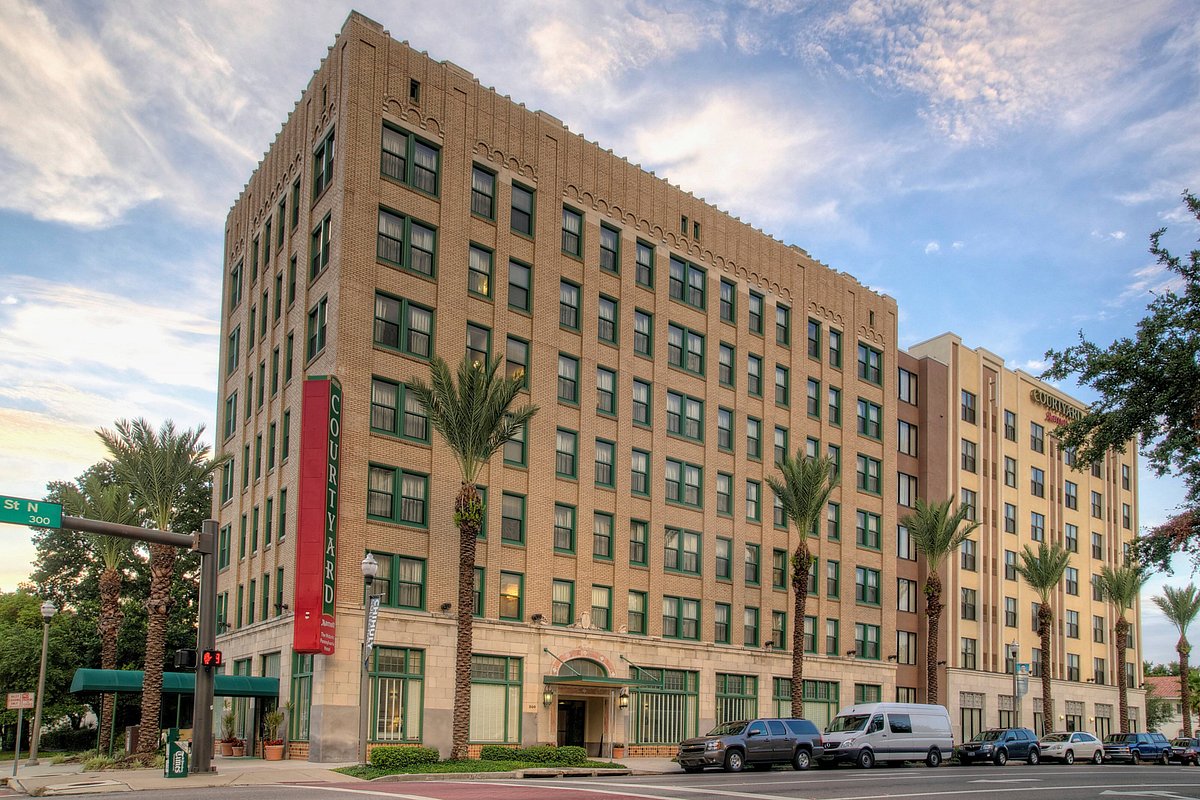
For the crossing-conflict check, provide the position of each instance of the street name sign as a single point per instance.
(20, 511)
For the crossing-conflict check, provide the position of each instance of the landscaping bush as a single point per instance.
(402, 757)
(71, 741)
(498, 752)
(549, 754)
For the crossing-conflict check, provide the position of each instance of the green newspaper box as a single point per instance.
(176, 765)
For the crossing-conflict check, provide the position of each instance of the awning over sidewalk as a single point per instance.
(595, 680)
(130, 680)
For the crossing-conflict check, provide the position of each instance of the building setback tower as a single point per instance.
(632, 574)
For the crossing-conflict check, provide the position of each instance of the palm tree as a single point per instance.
(803, 492)
(1042, 571)
(936, 532)
(1120, 587)
(1180, 606)
(474, 418)
(159, 469)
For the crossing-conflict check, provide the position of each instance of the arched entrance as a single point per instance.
(575, 702)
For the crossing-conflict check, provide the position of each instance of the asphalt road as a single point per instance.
(1045, 782)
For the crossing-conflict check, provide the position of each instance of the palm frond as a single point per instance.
(1180, 606)
(1044, 569)
(1121, 586)
(937, 531)
(804, 488)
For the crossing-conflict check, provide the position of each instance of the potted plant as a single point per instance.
(239, 747)
(228, 721)
(272, 743)
(618, 751)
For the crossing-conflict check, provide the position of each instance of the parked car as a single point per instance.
(998, 745)
(1185, 751)
(1071, 746)
(761, 743)
(867, 733)
(1136, 747)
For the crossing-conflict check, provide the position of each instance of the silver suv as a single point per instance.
(761, 743)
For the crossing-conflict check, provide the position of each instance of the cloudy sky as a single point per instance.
(996, 166)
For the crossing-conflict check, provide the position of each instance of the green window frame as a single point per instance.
(478, 603)
(479, 271)
(483, 192)
(227, 481)
(728, 302)
(605, 469)
(779, 569)
(814, 339)
(643, 333)
(721, 617)
(726, 358)
(396, 411)
(736, 698)
(685, 416)
(251, 594)
(283, 493)
(224, 543)
(750, 634)
(562, 602)
(512, 518)
(285, 444)
(610, 249)
(406, 243)
(397, 495)
(681, 618)
(512, 595)
(268, 521)
(568, 305)
(813, 398)
(410, 160)
(403, 326)
(566, 453)
(666, 712)
(233, 350)
(754, 365)
(522, 208)
(602, 536)
(809, 634)
(397, 694)
(564, 528)
(572, 232)
(639, 472)
(520, 286)
(754, 312)
(835, 348)
(833, 579)
(685, 349)
(752, 568)
(866, 586)
(516, 360)
(639, 542)
(783, 386)
(866, 529)
(687, 283)
(780, 450)
(606, 391)
(323, 165)
(835, 406)
(608, 318)
(514, 450)
(870, 419)
(318, 318)
(318, 249)
(235, 284)
(643, 398)
(400, 581)
(683, 483)
(725, 429)
(866, 641)
(870, 364)
(832, 637)
(644, 265)
(602, 607)
(723, 558)
(568, 379)
(753, 500)
(636, 620)
(754, 438)
(869, 474)
(681, 551)
(497, 684)
(300, 697)
(783, 325)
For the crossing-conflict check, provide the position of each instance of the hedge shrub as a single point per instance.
(73, 741)
(538, 754)
(391, 757)
(498, 752)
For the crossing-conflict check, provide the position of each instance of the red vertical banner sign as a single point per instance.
(314, 626)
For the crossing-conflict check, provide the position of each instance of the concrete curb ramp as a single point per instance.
(78, 787)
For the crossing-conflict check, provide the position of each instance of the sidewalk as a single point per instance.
(64, 779)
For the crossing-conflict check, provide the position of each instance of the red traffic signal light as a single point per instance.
(211, 658)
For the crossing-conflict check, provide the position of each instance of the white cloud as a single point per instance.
(9, 300)
(1152, 279)
(932, 248)
(957, 245)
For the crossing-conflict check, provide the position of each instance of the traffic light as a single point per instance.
(185, 659)
(211, 658)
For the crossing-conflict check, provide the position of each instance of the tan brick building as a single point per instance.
(631, 579)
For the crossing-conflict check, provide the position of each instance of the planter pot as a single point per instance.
(226, 749)
(273, 752)
(239, 750)
(618, 751)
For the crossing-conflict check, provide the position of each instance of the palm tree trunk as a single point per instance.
(110, 624)
(1045, 621)
(801, 564)
(933, 610)
(468, 514)
(162, 567)
(1184, 649)
(1122, 681)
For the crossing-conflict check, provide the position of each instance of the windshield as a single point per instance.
(987, 736)
(728, 729)
(1056, 737)
(1182, 742)
(850, 722)
(1119, 738)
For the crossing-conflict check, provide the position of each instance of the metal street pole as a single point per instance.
(206, 639)
(370, 568)
(1014, 650)
(48, 610)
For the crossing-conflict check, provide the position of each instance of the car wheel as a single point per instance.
(1135, 758)
(1069, 758)
(802, 759)
(866, 759)
(734, 761)
(934, 759)
(1034, 757)
(1098, 757)
(1001, 758)
(693, 769)
(1165, 760)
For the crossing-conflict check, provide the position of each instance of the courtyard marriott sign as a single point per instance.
(317, 522)
(1060, 412)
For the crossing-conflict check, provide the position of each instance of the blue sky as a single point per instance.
(996, 166)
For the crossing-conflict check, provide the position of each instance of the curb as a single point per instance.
(513, 775)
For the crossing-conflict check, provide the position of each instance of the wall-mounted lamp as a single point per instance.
(623, 699)
(446, 607)
(1091, 680)
(547, 697)
(281, 607)
(537, 618)
(893, 658)
(941, 663)
(850, 653)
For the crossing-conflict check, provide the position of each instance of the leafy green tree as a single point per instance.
(936, 531)
(160, 469)
(1159, 710)
(1149, 390)
(1180, 606)
(1042, 571)
(475, 417)
(1120, 588)
(803, 491)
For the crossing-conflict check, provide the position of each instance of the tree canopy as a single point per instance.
(1149, 391)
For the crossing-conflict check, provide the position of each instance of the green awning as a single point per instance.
(130, 680)
(596, 680)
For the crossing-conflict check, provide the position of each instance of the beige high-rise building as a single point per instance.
(632, 577)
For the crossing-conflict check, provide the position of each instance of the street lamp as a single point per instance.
(48, 610)
(370, 568)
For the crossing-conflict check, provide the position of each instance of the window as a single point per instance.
(318, 318)
(783, 325)
(686, 282)
(233, 350)
(400, 582)
(967, 458)
(751, 571)
(403, 325)
(397, 688)
(685, 349)
(866, 586)
(870, 364)
(905, 548)
(406, 243)
(641, 402)
(728, 301)
(907, 387)
(483, 193)
(725, 358)
(866, 642)
(572, 232)
(644, 264)
(235, 284)
(397, 495)
(755, 312)
(753, 438)
(906, 653)
(969, 502)
(566, 447)
(968, 653)
(496, 686)
(1071, 578)
(230, 416)
(607, 322)
(1098, 629)
(1097, 505)
(906, 441)
(514, 450)
(724, 558)
(1037, 526)
(1071, 537)
(1072, 624)
(1126, 473)
(568, 305)
(1010, 614)
(779, 568)
(781, 444)
(637, 612)
(1098, 546)
(522, 210)
(967, 555)
(750, 627)
(724, 494)
(906, 489)
(869, 416)
(867, 530)
(968, 406)
(683, 483)
(906, 595)
(967, 604)
(568, 378)
(1010, 425)
(323, 165)
(1037, 436)
(868, 474)
(639, 542)
(685, 416)
(479, 271)
(397, 412)
(754, 375)
(519, 278)
(605, 457)
(639, 472)
(814, 339)
(414, 162)
(681, 551)
(835, 348)
(562, 602)
(516, 360)
(1037, 482)
(835, 405)
(833, 578)
(513, 518)
(1072, 667)
(1099, 672)
(610, 249)
(681, 618)
(602, 607)
(479, 344)
(781, 386)
(477, 606)
(1010, 472)
(779, 632)
(1010, 518)
(1126, 516)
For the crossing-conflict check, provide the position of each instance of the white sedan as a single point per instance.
(1072, 746)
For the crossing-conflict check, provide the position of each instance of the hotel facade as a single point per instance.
(632, 575)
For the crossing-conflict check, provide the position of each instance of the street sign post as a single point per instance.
(22, 511)
(19, 701)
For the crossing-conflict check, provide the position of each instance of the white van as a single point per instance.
(867, 733)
